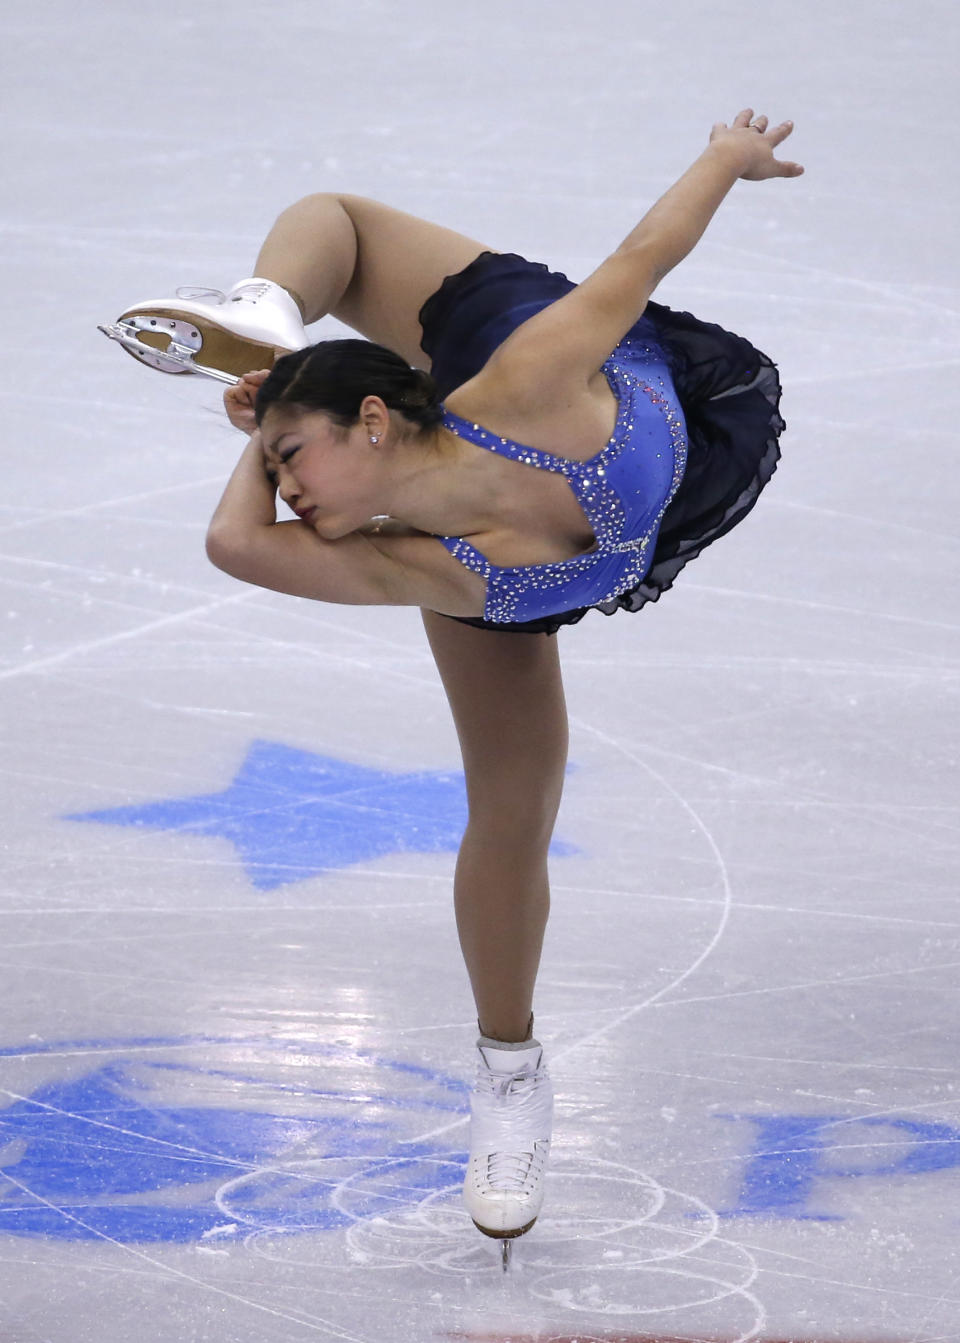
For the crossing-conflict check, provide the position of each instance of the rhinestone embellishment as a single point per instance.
(624, 491)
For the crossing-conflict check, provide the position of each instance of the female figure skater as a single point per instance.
(589, 443)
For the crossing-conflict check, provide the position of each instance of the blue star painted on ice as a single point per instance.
(292, 814)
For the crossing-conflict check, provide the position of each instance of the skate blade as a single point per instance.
(200, 336)
(165, 353)
(179, 343)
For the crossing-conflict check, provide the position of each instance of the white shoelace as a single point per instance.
(247, 293)
(513, 1172)
(508, 1084)
(193, 291)
(506, 1103)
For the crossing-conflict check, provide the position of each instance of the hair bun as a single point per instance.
(424, 389)
(422, 398)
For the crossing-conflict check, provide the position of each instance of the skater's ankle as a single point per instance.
(298, 301)
(297, 298)
(507, 1036)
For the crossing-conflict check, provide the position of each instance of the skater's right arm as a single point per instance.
(246, 540)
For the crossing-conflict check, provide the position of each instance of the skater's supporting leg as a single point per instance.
(371, 266)
(506, 694)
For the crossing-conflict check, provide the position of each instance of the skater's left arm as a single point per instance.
(246, 540)
(570, 339)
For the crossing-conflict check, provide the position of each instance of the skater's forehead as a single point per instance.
(281, 422)
(271, 448)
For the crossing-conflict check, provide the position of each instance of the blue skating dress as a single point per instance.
(695, 442)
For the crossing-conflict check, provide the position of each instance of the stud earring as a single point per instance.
(374, 439)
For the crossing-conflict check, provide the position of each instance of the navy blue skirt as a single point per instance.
(729, 391)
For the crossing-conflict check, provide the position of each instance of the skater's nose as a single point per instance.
(288, 489)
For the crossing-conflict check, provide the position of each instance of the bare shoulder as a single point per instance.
(567, 343)
(556, 410)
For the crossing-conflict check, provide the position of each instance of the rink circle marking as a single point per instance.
(644, 1277)
(437, 1236)
(725, 902)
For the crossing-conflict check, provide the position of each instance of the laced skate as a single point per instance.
(214, 334)
(511, 1120)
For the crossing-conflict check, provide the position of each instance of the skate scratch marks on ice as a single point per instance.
(313, 1322)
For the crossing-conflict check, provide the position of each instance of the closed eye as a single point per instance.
(288, 453)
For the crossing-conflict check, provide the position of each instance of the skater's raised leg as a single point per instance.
(371, 266)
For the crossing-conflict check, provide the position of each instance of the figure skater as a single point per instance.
(574, 447)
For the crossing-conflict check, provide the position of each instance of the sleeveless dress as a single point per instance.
(695, 442)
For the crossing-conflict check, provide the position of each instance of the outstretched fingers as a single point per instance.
(776, 137)
(777, 134)
(771, 136)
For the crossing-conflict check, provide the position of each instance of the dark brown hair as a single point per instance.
(334, 376)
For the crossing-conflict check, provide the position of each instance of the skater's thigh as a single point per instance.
(401, 261)
(506, 694)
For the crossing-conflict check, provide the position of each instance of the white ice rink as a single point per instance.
(235, 1032)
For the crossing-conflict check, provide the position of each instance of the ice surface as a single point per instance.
(232, 1109)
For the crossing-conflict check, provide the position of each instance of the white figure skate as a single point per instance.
(217, 335)
(511, 1121)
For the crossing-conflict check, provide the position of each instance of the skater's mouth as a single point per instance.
(305, 514)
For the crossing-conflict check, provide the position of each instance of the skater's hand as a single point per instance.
(238, 400)
(754, 144)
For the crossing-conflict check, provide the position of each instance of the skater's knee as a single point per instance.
(519, 790)
(518, 821)
(339, 205)
(324, 215)
(315, 201)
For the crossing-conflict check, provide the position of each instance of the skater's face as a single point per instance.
(330, 476)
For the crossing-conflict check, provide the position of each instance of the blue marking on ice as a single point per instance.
(108, 1153)
(796, 1157)
(292, 814)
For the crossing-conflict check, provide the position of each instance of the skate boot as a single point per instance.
(219, 335)
(511, 1120)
